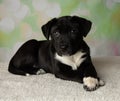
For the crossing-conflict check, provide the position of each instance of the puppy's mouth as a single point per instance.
(65, 49)
(66, 52)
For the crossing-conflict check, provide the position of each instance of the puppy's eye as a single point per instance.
(74, 31)
(56, 34)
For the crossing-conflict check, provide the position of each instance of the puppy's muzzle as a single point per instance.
(63, 46)
(65, 49)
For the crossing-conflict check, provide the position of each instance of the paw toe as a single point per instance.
(101, 83)
(90, 88)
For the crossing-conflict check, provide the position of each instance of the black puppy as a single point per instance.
(66, 55)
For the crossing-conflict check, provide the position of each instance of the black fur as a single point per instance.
(66, 39)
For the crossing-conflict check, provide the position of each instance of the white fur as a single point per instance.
(101, 83)
(40, 71)
(27, 74)
(90, 82)
(74, 60)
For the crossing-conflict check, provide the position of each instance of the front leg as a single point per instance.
(90, 79)
(65, 72)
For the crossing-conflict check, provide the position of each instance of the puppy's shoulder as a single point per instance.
(31, 42)
(85, 47)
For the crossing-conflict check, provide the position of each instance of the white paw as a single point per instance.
(40, 71)
(91, 83)
(27, 74)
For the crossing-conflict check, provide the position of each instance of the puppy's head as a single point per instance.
(66, 33)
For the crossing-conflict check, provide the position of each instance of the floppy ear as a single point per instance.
(84, 24)
(47, 27)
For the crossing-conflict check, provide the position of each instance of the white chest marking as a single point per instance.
(74, 60)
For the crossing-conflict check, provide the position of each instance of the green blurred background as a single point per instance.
(21, 20)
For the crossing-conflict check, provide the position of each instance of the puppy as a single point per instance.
(66, 55)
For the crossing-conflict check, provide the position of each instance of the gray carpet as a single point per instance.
(48, 88)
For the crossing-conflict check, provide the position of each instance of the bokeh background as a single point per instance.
(21, 20)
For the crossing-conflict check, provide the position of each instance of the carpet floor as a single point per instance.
(48, 88)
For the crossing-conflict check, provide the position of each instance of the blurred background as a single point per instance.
(21, 20)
